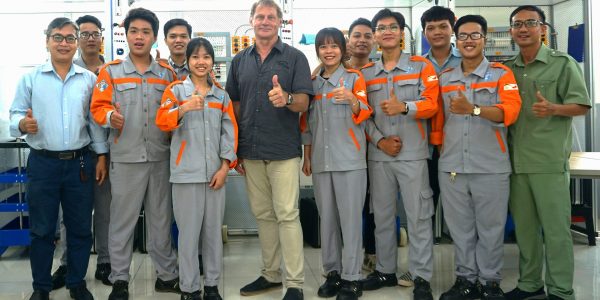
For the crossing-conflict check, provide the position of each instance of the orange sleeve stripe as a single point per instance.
(490, 84)
(351, 133)
(500, 141)
(451, 88)
(406, 77)
(180, 154)
(377, 81)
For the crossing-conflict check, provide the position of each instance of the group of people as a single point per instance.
(486, 135)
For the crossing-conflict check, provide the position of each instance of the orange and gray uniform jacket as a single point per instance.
(473, 144)
(336, 134)
(202, 138)
(415, 82)
(139, 96)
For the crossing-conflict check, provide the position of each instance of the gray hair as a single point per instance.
(268, 3)
(60, 23)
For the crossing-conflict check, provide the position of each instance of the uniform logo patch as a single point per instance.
(432, 78)
(167, 103)
(102, 85)
(361, 93)
(511, 87)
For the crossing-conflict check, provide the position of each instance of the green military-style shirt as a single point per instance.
(543, 145)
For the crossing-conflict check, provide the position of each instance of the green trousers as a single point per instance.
(540, 205)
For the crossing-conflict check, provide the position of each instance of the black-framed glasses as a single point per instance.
(473, 35)
(384, 28)
(71, 39)
(530, 23)
(84, 35)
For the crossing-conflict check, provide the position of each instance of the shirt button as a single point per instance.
(325, 129)
(145, 110)
(466, 151)
(326, 147)
(465, 134)
(324, 112)
(146, 125)
(144, 94)
(208, 139)
(206, 122)
(144, 80)
(524, 75)
(466, 117)
(143, 157)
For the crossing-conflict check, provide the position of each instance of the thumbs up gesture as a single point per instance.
(460, 105)
(542, 108)
(341, 93)
(29, 123)
(159, 59)
(117, 120)
(277, 96)
(196, 102)
(392, 106)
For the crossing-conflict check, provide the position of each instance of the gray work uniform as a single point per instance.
(201, 140)
(415, 82)
(139, 167)
(338, 162)
(474, 168)
(182, 71)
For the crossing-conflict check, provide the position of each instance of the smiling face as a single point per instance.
(527, 36)
(62, 52)
(470, 48)
(388, 33)
(90, 45)
(265, 22)
(200, 63)
(360, 42)
(330, 54)
(438, 33)
(140, 37)
(177, 40)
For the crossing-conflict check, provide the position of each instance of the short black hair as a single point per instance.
(387, 13)
(89, 19)
(438, 13)
(60, 23)
(177, 22)
(197, 43)
(331, 34)
(359, 21)
(471, 19)
(529, 8)
(143, 14)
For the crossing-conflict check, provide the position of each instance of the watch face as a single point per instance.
(289, 100)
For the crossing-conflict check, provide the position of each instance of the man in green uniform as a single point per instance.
(553, 91)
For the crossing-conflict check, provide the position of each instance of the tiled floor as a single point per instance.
(242, 261)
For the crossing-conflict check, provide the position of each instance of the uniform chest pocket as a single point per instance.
(157, 90)
(407, 89)
(213, 115)
(486, 96)
(373, 92)
(126, 94)
(192, 119)
(341, 108)
(547, 88)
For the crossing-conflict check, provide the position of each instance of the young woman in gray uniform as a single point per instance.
(333, 134)
(203, 147)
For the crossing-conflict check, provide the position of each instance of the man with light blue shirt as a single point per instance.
(437, 23)
(52, 106)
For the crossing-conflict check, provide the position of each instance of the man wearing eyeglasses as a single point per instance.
(540, 142)
(90, 42)
(479, 101)
(403, 91)
(51, 106)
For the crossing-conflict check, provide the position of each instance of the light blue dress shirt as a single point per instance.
(452, 61)
(61, 108)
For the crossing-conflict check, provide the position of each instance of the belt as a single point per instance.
(62, 155)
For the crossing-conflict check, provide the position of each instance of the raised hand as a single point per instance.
(117, 120)
(196, 102)
(341, 93)
(277, 96)
(392, 106)
(542, 108)
(460, 105)
(29, 123)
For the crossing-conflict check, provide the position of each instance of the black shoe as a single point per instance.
(169, 286)
(120, 290)
(200, 264)
(462, 289)
(293, 294)
(259, 286)
(377, 280)
(212, 293)
(191, 296)
(332, 285)
(519, 294)
(80, 293)
(422, 290)
(58, 277)
(40, 295)
(491, 291)
(102, 272)
(350, 290)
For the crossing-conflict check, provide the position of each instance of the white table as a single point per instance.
(586, 165)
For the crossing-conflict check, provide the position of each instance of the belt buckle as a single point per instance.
(66, 155)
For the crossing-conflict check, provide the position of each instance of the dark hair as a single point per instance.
(177, 22)
(438, 13)
(386, 13)
(359, 21)
(268, 3)
(197, 43)
(331, 34)
(529, 8)
(89, 19)
(471, 19)
(60, 23)
(142, 14)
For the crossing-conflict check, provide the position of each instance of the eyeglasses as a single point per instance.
(384, 28)
(71, 39)
(473, 35)
(528, 23)
(86, 35)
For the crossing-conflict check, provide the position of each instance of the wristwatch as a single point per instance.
(406, 109)
(476, 110)
(290, 99)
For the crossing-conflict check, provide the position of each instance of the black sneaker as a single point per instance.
(462, 289)
(377, 280)
(102, 272)
(519, 294)
(40, 295)
(332, 285)
(259, 286)
(80, 293)
(168, 286)
(491, 291)
(350, 290)
(191, 296)
(422, 290)
(212, 293)
(58, 277)
(293, 294)
(120, 290)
